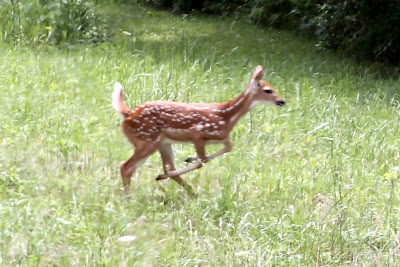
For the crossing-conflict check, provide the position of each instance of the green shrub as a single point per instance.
(367, 29)
(272, 13)
(50, 21)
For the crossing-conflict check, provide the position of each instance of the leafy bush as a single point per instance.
(271, 13)
(50, 21)
(291, 14)
(369, 29)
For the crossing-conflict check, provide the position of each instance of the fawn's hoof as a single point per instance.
(161, 177)
(190, 160)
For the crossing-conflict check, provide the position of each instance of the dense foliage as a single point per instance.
(367, 29)
(52, 22)
(371, 29)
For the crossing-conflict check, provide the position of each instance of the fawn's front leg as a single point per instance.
(167, 156)
(227, 147)
(175, 173)
(199, 144)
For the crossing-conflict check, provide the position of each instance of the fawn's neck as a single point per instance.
(239, 106)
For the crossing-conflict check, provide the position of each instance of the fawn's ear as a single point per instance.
(258, 73)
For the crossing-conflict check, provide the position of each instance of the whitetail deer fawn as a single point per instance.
(156, 125)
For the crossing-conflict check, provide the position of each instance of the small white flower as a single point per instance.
(242, 253)
(127, 238)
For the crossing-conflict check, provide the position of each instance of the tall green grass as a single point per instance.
(314, 183)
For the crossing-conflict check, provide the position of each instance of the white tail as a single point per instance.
(156, 125)
(117, 99)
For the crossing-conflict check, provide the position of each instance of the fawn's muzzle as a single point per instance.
(280, 103)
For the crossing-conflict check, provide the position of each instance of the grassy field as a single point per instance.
(313, 183)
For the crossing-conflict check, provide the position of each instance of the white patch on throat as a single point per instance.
(255, 103)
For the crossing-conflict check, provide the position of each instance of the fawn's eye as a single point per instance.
(268, 91)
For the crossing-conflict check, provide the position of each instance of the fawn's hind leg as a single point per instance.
(142, 151)
(167, 156)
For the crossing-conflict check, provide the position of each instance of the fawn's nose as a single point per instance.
(280, 103)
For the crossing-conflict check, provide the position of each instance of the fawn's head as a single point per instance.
(262, 91)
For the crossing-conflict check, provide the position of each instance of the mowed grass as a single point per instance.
(313, 183)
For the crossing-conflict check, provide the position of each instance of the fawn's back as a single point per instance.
(175, 122)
